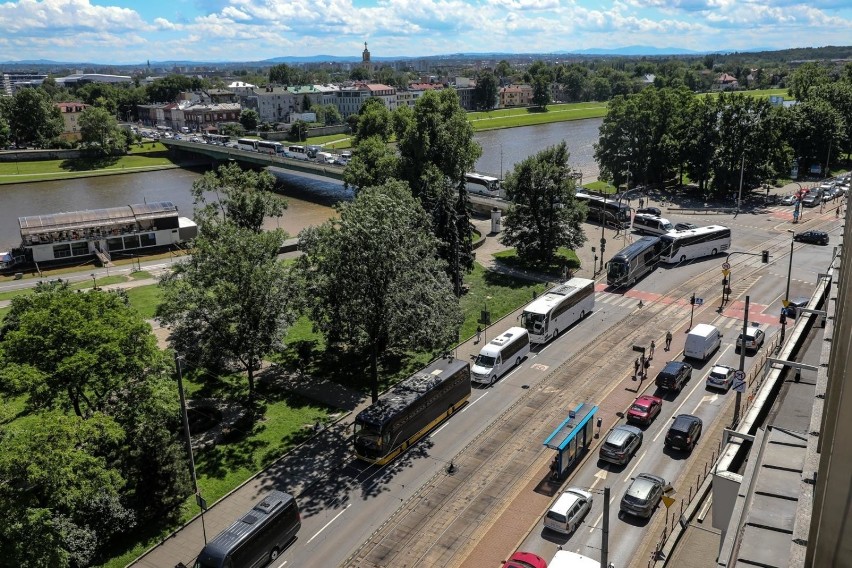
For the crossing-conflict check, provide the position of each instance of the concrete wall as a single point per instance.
(38, 155)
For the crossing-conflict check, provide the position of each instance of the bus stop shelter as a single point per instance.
(571, 438)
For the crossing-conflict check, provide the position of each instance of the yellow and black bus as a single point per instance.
(407, 412)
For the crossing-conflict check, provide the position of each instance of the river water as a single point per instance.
(310, 199)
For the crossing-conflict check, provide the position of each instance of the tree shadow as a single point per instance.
(87, 163)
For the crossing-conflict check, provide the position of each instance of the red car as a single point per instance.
(525, 560)
(644, 409)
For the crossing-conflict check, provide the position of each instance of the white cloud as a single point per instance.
(36, 16)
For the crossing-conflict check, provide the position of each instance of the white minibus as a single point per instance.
(651, 224)
(501, 354)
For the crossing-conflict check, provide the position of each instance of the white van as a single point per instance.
(702, 341)
(651, 224)
(325, 158)
(501, 354)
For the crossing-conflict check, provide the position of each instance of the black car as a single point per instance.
(792, 309)
(685, 226)
(674, 375)
(684, 432)
(655, 211)
(812, 237)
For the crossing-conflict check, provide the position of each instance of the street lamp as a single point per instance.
(486, 320)
(198, 498)
(786, 301)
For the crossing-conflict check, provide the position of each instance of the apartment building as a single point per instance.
(515, 96)
(70, 116)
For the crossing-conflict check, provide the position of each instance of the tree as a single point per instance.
(839, 96)
(485, 92)
(373, 163)
(75, 351)
(541, 90)
(230, 303)
(169, 87)
(35, 119)
(249, 119)
(243, 197)
(99, 130)
(359, 73)
(374, 119)
(298, 131)
(436, 149)
(544, 214)
(700, 140)
(5, 132)
(373, 278)
(816, 127)
(503, 69)
(805, 77)
(62, 500)
(283, 74)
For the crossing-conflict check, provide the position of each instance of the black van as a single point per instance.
(257, 538)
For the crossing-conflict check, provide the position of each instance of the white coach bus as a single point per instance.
(694, 243)
(558, 309)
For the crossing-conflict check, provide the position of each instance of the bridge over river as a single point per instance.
(480, 205)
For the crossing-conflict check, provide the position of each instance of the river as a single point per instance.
(310, 199)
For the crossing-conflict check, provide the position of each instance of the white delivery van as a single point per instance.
(702, 341)
(501, 354)
(325, 158)
(651, 224)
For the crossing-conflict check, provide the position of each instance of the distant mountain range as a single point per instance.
(628, 51)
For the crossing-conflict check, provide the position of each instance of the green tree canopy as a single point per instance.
(75, 351)
(373, 163)
(35, 119)
(541, 89)
(243, 197)
(805, 77)
(100, 130)
(544, 214)
(374, 119)
(373, 278)
(485, 92)
(249, 119)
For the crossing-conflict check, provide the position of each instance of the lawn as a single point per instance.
(508, 118)
(149, 156)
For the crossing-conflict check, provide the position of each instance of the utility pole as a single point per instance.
(787, 292)
(740, 195)
(198, 498)
(742, 363)
(605, 531)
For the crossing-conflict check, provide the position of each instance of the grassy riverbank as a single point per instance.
(149, 156)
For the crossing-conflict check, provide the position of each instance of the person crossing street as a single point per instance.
(668, 340)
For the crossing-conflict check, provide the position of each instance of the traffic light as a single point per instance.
(783, 320)
(692, 300)
(764, 255)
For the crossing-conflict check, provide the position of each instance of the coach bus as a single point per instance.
(220, 139)
(297, 152)
(482, 184)
(270, 147)
(695, 243)
(407, 412)
(603, 210)
(633, 262)
(258, 537)
(249, 144)
(558, 309)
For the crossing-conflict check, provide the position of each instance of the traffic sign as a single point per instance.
(668, 501)
(725, 271)
(699, 301)
(739, 381)
(726, 266)
(785, 302)
(739, 375)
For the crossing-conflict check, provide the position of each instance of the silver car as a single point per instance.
(620, 445)
(643, 495)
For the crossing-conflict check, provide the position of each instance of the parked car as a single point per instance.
(674, 375)
(643, 495)
(812, 237)
(754, 338)
(655, 211)
(792, 309)
(684, 432)
(812, 200)
(569, 510)
(644, 409)
(525, 560)
(720, 377)
(621, 444)
(685, 226)
(789, 200)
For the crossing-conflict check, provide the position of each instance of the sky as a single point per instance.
(135, 31)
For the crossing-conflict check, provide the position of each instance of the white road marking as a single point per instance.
(599, 476)
(707, 398)
(471, 404)
(635, 465)
(432, 435)
(329, 522)
(592, 529)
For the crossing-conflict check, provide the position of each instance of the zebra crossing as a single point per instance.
(730, 317)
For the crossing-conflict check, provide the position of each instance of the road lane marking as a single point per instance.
(329, 522)
(635, 465)
(599, 476)
(697, 384)
(591, 530)
(707, 398)
(474, 402)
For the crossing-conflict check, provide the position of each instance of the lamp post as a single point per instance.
(787, 291)
(94, 282)
(201, 503)
(740, 194)
(486, 320)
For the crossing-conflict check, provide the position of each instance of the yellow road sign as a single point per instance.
(726, 272)
(668, 501)
(785, 302)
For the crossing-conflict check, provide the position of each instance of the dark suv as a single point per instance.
(674, 375)
(684, 432)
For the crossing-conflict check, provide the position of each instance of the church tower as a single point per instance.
(365, 57)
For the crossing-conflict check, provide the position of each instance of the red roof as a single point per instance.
(72, 107)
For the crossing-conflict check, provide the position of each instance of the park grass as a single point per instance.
(85, 284)
(510, 118)
(145, 299)
(565, 258)
(150, 156)
(600, 186)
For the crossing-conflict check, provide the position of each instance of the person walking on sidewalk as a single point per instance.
(636, 366)
(478, 335)
(651, 354)
(668, 340)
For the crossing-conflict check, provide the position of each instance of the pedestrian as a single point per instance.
(651, 354)
(478, 335)
(636, 366)
(668, 340)
(641, 203)
(837, 213)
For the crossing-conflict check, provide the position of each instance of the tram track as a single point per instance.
(440, 523)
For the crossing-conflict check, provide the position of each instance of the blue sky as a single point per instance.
(128, 31)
